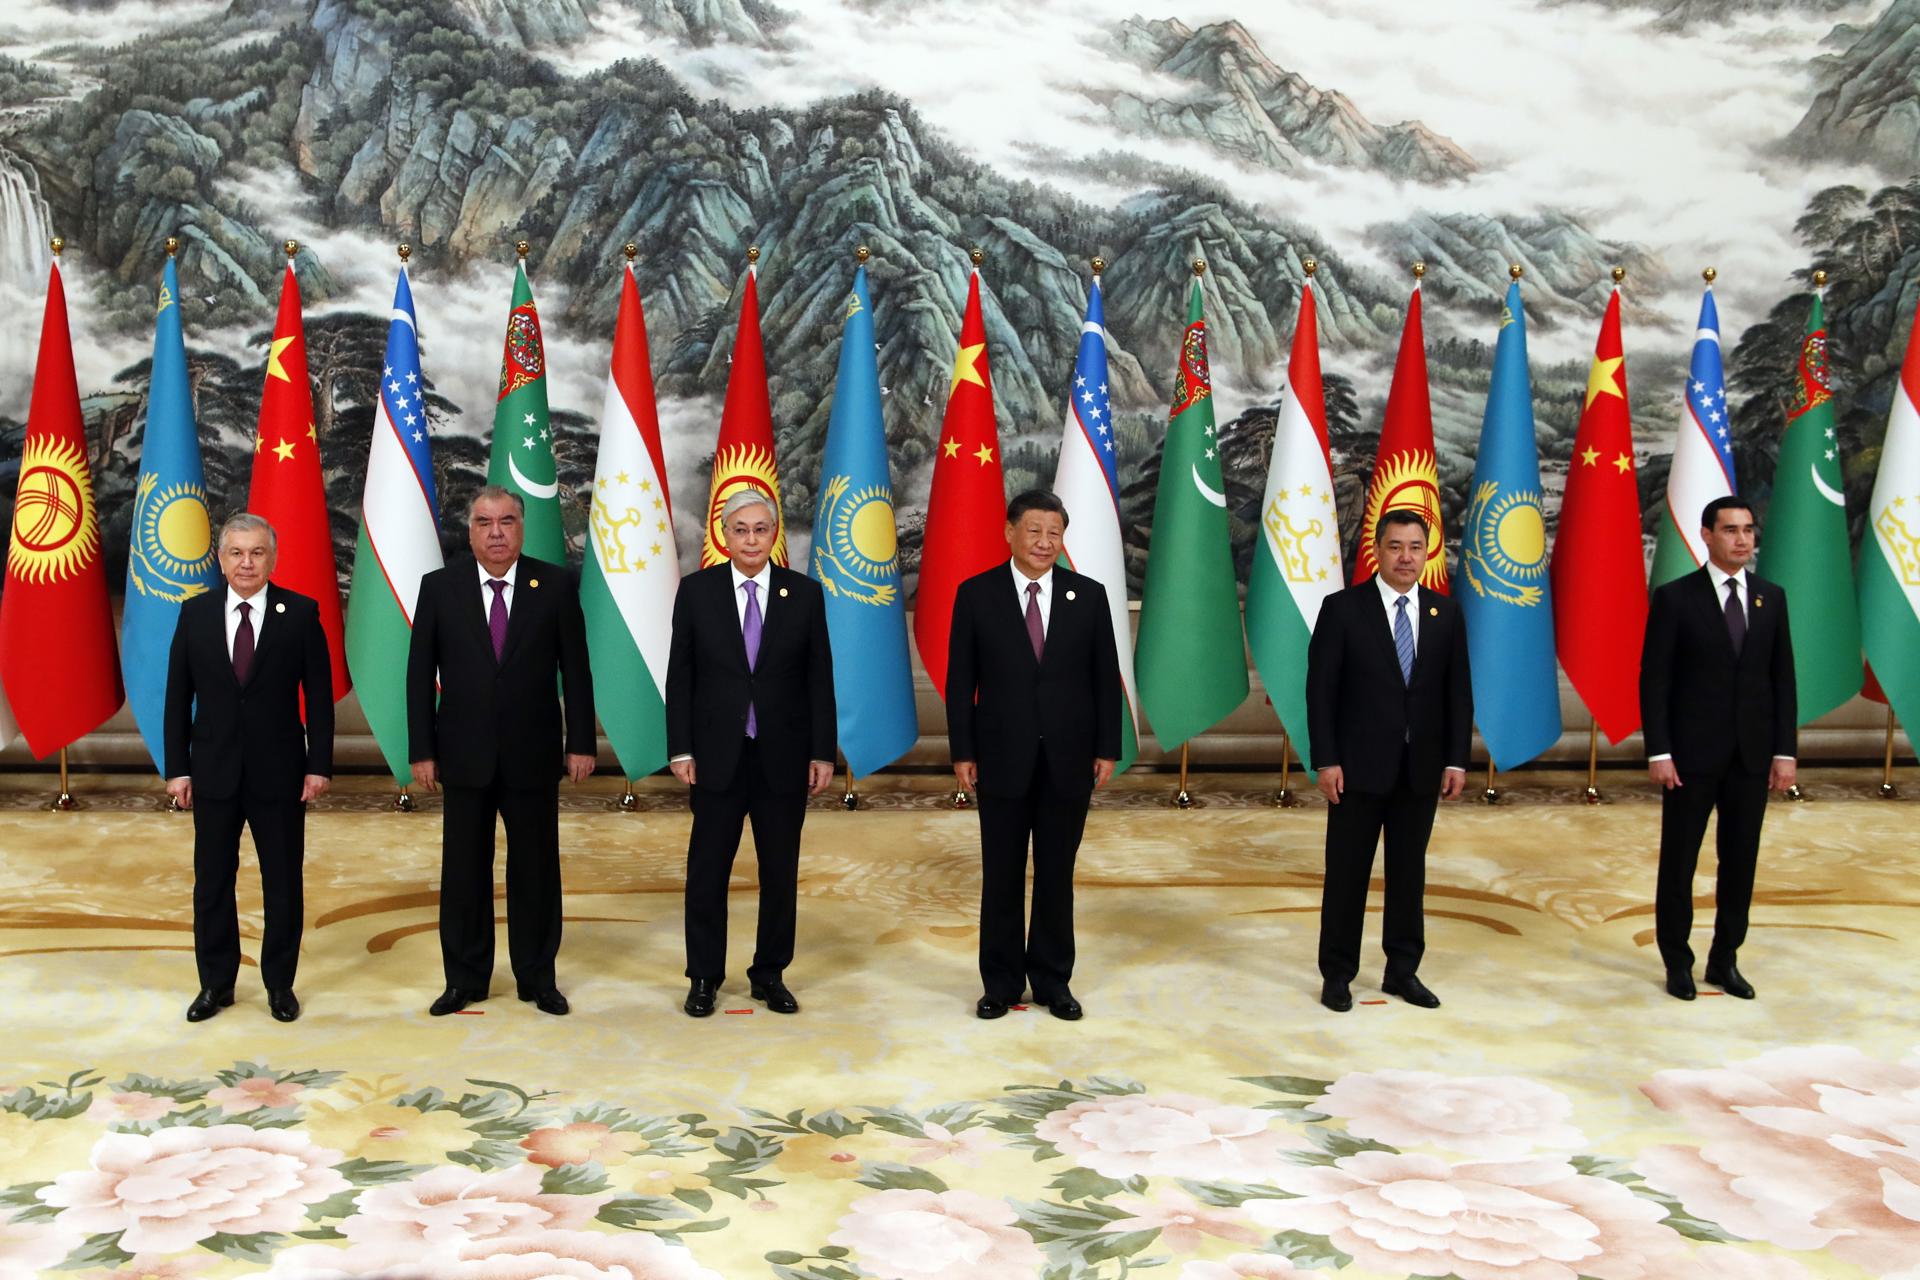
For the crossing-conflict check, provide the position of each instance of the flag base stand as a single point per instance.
(1887, 790)
(1286, 799)
(1492, 794)
(960, 799)
(1183, 799)
(1592, 793)
(171, 805)
(1794, 794)
(629, 801)
(404, 802)
(64, 802)
(849, 799)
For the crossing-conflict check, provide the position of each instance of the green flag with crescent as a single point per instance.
(522, 459)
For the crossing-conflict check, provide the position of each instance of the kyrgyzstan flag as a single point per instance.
(743, 456)
(288, 490)
(1599, 568)
(58, 659)
(1406, 474)
(966, 530)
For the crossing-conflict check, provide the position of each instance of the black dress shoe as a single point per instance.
(453, 1000)
(1336, 996)
(701, 993)
(775, 996)
(208, 1003)
(548, 1001)
(1412, 990)
(988, 1007)
(1063, 1006)
(1680, 984)
(1728, 979)
(283, 1005)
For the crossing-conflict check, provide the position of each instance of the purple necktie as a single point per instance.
(497, 617)
(1035, 632)
(1736, 617)
(243, 644)
(750, 632)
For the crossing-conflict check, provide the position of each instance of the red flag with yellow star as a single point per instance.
(1599, 567)
(966, 531)
(58, 659)
(288, 490)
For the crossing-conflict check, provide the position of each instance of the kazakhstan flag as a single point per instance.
(171, 558)
(1503, 555)
(854, 558)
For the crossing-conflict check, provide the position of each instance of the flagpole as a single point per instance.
(1592, 793)
(64, 802)
(1491, 795)
(629, 801)
(1887, 790)
(849, 799)
(1183, 799)
(1286, 799)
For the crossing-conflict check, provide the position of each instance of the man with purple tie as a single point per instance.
(751, 730)
(499, 641)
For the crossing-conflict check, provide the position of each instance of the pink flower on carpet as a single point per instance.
(133, 1106)
(255, 1093)
(1169, 1135)
(1244, 1266)
(32, 1249)
(579, 1143)
(152, 1266)
(1183, 1222)
(1804, 1148)
(937, 1235)
(548, 1255)
(1522, 1220)
(940, 1143)
(454, 1205)
(173, 1189)
(1727, 1262)
(1494, 1116)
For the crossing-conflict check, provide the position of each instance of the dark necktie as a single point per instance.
(243, 644)
(1403, 639)
(497, 617)
(1035, 632)
(750, 624)
(1736, 617)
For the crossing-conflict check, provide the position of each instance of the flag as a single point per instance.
(288, 490)
(58, 661)
(1503, 555)
(966, 530)
(1702, 467)
(1890, 551)
(170, 554)
(854, 559)
(399, 537)
(1805, 548)
(1191, 659)
(743, 455)
(1599, 568)
(632, 567)
(1406, 473)
(1296, 561)
(522, 460)
(1088, 482)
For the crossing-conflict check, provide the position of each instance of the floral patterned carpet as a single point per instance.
(1558, 1118)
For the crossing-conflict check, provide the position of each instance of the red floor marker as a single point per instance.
(736, 1011)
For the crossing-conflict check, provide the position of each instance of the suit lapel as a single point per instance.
(1380, 622)
(263, 635)
(466, 586)
(528, 589)
(1426, 627)
(774, 623)
(1716, 613)
(1760, 613)
(1013, 610)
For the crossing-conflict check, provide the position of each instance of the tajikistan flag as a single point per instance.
(1890, 551)
(1296, 562)
(399, 539)
(1702, 454)
(632, 568)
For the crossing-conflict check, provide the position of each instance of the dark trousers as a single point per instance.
(1014, 951)
(279, 829)
(532, 818)
(1354, 827)
(1740, 797)
(718, 816)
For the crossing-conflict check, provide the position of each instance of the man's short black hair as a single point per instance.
(1400, 515)
(1726, 502)
(1036, 500)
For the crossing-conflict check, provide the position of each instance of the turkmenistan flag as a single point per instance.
(1890, 552)
(399, 538)
(522, 440)
(1190, 659)
(1805, 548)
(632, 568)
(1296, 561)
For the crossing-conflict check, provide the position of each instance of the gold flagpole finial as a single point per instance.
(1515, 272)
(521, 249)
(1820, 279)
(173, 245)
(630, 251)
(405, 251)
(1619, 274)
(1199, 267)
(975, 256)
(861, 255)
(58, 243)
(1099, 265)
(1419, 271)
(1709, 275)
(1309, 266)
(753, 255)
(291, 247)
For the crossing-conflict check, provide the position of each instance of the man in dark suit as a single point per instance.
(1390, 714)
(501, 638)
(1718, 709)
(242, 660)
(751, 729)
(1033, 723)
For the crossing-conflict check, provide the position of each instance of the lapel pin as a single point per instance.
(281, 607)
(783, 592)
(1069, 595)
(533, 582)
(1758, 601)
(1433, 611)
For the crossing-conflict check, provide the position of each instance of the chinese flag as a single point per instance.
(1599, 569)
(1406, 475)
(743, 456)
(57, 653)
(967, 510)
(287, 490)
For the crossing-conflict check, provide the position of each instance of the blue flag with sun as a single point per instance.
(854, 558)
(1503, 557)
(170, 558)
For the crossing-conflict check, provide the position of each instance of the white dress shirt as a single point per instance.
(256, 612)
(760, 580)
(1388, 594)
(486, 592)
(1045, 580)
